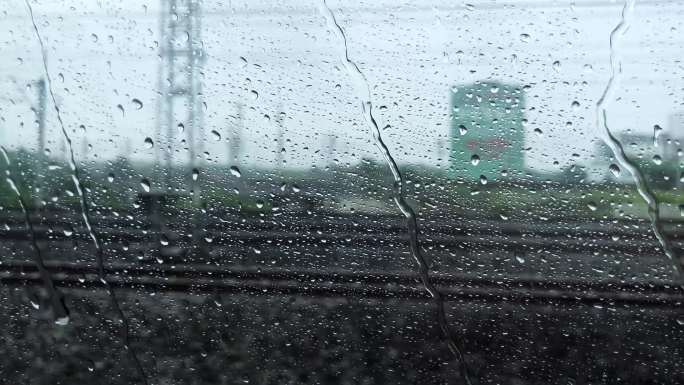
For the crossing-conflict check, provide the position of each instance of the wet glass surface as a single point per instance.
(336, 192)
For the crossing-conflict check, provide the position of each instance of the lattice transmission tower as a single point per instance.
(179, 108)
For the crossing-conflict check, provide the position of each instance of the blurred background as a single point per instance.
(192, 195)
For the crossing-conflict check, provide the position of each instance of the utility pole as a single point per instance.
(179, 83)
(236, 138)
(40, 110)
(40, 114)
(179, 104)
(332, 147)
(280, 141)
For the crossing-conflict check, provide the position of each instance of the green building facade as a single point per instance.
(487, 133)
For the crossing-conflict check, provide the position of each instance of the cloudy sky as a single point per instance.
(102, 54)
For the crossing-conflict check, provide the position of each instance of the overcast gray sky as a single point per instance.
(411, 52)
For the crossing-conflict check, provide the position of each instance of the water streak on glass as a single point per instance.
(59, 309)
(84, 207)
(616, 147)
(363, 91)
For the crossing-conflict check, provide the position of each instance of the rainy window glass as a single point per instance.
(341, 192)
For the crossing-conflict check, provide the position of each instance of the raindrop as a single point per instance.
(475, 159)
(614, 169)
(216, 135)
(681, 210)
(235, 171)
(181, 128)
(163, 240)
(94, 37)
(149, 143)
(195, 174)
(110, 177)
(657, 160)
(524, 37)
(121, 108)
(462, 129)
(592, 206)
(538, 131)
(255, 95)
(145, 184)
(483, 179)
(62, 321)
(557, 66)
(656, 133)
(137, 103)
(519, 259)
(575, 105)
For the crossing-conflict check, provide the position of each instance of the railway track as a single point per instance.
(369, 284)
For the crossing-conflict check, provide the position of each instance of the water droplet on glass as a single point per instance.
(163, 240)
(681, 210)
(110, 177)
(519, 259)
(657, 160)
(592, 206)
(474, 160)
(216, 135)
(121, 108)
(181, 128)
(656, 133)
(575, 105)
(145, 184)
(137, 103)
(93, 37)
(235, 171)
(149, 143)
(524, 37)
(254, 94)
(556, 66)
(195, 174)
(483, 179)
(462, 129)
(62, 321)
(614, 169)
